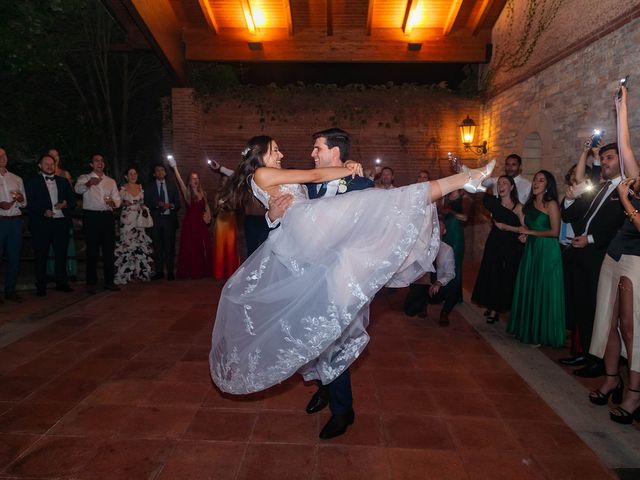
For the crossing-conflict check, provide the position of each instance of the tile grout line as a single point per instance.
(616, 445)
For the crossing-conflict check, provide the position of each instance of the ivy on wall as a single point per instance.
(520, 40)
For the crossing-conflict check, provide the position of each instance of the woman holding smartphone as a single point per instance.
(616, 328)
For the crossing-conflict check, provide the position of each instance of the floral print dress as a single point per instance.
(134, 255)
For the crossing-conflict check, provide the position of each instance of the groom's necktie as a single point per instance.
(323, 189)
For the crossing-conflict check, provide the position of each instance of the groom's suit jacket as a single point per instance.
(357, 183)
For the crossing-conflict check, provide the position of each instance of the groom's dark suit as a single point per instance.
(340, 397)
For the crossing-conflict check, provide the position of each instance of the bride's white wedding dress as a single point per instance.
(300, 303)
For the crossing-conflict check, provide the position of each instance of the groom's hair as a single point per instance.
(336, 137)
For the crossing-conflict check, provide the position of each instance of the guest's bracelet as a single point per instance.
(631, 215)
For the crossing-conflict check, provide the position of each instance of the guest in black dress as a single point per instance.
(502, 250)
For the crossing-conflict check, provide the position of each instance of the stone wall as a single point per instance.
(576, 25)
(567, 100)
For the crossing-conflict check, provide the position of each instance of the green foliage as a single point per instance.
(62, 86)
(36, 33)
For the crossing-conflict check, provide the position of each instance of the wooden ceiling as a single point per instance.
(312, 30)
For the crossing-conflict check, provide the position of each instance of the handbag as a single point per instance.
(144, 219)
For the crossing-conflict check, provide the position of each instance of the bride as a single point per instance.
(300, 303)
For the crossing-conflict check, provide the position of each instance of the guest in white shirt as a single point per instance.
(12, 198)
(51, 202)
(513, 168)
(386, 179)
(100, 197)
(435, 287)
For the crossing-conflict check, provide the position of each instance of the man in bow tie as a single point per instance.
(51, 202)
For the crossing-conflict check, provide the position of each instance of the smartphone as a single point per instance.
(624, 82)
(596, 137)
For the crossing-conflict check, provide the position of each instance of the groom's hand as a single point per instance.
(279, 205)
(355, 167)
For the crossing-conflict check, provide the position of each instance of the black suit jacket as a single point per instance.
(39, 200)
(605, 224)
(357, 183)
(152, 198)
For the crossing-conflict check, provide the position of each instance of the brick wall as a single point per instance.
(408, 128)
(548, 116)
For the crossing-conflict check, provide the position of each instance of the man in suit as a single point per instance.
(161, 196)
(51, 202)
(330, 149)
(596, 221)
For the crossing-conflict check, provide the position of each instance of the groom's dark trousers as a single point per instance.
(340, 397)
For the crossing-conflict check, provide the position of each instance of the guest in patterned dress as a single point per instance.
(134, 255)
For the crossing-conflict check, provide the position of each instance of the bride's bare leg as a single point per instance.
(442, 186)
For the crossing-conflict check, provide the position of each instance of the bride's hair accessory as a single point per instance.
(246, 151)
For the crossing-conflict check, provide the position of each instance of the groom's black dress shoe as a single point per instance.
(591, 370)
(576, 361)
(337, 425)
(318, 401)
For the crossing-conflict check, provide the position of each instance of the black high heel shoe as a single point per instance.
(598, 398)
(623, 416)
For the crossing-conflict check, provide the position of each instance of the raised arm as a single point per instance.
(266, 177)
(631, 168)
(183, 188)
(581, 166)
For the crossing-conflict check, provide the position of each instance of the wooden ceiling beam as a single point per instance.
(248, 16)
(406, 24)
(158, 23)
(289, 17)
(451, 17)
(476, 21)
(370, 16)
(207, 11)
(379, 47)
(329, 18)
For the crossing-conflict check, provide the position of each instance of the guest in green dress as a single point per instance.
(454, 214)
(537, 312)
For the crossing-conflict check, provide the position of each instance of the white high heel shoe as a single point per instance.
(475, 186)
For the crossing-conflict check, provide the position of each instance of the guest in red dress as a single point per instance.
(194, 257)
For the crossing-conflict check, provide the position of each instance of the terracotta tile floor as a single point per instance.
(117, 387)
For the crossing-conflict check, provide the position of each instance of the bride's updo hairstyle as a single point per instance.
(235, 194)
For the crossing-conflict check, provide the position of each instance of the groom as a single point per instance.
(330, 149)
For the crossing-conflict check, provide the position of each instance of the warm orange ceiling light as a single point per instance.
(249, 17)
(415, 16)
